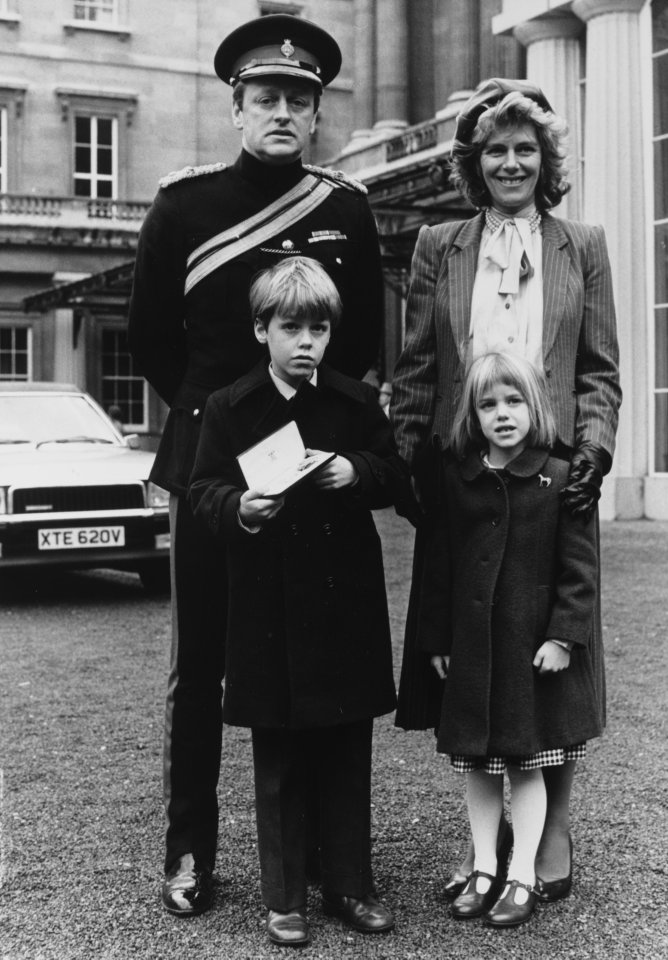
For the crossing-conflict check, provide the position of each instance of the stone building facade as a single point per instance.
(98, 98)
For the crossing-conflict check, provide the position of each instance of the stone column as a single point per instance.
(614, 195)
(391, 63)
(456, 48)
(554, 63)
(365, 49)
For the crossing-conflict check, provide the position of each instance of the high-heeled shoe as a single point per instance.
(549, 891)
(455, 885)
(471, 903)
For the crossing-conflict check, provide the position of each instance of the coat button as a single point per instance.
(196, 412)
(495, 522)
(327, 529)
(293, 529)
(330, 582)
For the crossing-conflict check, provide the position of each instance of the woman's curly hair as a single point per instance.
(514, 111)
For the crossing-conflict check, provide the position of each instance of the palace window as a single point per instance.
(98, 11)
(3, 149)
(659, 374)
(15, 353)
(95, 157)
(121, 386)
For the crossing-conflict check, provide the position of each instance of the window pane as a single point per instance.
(82, 129)
(81, 188)
(661, 263)
(104, 189)
(104, 129)
(661, 433)
(82, 160)
(104, 162)
(661, 348)
(659, 24)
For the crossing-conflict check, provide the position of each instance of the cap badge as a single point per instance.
(287, 49)
(288, 245)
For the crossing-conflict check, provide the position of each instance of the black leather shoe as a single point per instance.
(506, 912)
(457, 882)
(187, 888)
(454, 886)
(367, 914)
(288, 929)
(471, 904)
(549, 891)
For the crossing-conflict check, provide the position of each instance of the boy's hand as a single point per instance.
(441, 665)
(336, 474)
(551, 658)
(255, 509)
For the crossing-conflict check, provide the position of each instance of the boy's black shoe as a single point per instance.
(187, 888)
(368, 915)
(288, 929)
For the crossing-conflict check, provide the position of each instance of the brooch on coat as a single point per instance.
(544, 481)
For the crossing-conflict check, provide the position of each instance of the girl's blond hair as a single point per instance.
(513, 371)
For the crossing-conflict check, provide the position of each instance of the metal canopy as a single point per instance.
(100, 293)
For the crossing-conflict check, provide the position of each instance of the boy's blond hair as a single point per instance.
(297, 287)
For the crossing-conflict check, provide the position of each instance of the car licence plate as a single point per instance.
(74, 538)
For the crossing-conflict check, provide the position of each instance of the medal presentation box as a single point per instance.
(279, 462)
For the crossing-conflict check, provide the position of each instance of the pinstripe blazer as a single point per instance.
(580, 351)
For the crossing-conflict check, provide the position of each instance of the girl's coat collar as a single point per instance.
(529, 463)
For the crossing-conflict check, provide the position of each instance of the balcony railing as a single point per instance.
(31, 209)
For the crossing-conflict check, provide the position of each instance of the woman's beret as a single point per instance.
(488, 94)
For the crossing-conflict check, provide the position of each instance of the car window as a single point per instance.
(51, 419)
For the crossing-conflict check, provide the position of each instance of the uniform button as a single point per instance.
(330, 582)
(293, 529)
(510, 339)
(495, 522)
(327, 529)
(196, 412)
(507, 306)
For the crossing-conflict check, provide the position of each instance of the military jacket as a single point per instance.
(187, 346)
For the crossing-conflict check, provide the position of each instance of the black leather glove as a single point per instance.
(589, 464)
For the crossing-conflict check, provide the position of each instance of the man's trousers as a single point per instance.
(193, 718)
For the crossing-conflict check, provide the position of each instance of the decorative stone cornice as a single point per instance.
(588, 9)
(121, 100)
(565, 27)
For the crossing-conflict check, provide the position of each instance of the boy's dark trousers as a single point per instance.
(286, 764)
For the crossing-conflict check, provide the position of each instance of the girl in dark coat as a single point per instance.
(308, 649)
(506, 608)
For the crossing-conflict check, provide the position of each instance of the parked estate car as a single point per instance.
(75, 492)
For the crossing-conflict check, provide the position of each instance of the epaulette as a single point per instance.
(187, 172)
(338, 176)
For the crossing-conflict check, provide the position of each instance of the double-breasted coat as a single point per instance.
(507, 569)
(308, 638)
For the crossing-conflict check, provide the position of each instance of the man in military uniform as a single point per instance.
(208, 232)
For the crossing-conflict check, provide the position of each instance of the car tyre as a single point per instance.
(155, 576)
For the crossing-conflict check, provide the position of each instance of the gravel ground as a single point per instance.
(82, 687)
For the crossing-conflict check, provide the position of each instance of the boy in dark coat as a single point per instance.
(308, 646)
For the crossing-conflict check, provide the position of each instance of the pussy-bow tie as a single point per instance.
(511, 249)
